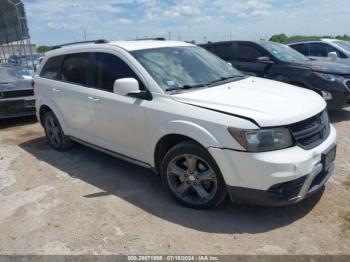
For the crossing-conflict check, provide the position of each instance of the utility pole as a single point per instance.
(169, 35)
(84, 32)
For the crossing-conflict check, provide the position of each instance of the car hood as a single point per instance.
(326, 67)
(269, 103)
(18, 85)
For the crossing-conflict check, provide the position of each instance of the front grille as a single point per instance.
(17, 93)
(311, 132)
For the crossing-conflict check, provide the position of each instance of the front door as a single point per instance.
(246, 61)
(118, 121)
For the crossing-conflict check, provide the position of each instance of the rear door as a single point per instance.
(70, 93)
(226, 51)
(246, 61)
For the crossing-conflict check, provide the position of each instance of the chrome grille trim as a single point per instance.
(311, 132)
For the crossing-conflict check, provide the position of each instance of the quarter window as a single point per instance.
(109, 68)
(248, 53)
(75, 68)
(51, 68)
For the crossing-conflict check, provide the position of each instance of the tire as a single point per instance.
(54, 133)
(192, 177)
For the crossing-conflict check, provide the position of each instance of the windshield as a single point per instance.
(343, 44)
(13, 74)
(186, 66)
(283, 52)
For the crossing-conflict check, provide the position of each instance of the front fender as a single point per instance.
(184, 128)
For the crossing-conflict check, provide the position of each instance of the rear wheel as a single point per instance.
(54, 133)
(192, 176)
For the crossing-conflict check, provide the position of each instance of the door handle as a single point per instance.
(95, 99)
(56, 90)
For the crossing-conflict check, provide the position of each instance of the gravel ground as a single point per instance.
(85, 202)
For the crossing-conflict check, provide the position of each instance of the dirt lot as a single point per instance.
(85, 202)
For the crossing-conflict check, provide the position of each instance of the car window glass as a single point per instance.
(225, 51)
(75, 67)
(248, 53)
(322, 50)
(302, 48)
(52, 67)
(343, 44)
(176, 67)
(109, 68)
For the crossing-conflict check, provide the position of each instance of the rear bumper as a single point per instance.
(285, 193)
(17, 107)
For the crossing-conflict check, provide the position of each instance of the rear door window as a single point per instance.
(109, 68)
(301, 48)
(75, 67)
(52, 67)
(224, 51)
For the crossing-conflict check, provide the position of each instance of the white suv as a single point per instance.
(206, 128)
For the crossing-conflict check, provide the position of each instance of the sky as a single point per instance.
(60, 21)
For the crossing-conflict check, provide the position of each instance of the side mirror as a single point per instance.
(264, 60)
(229, 63)
(130, 87)
(125, 86)
(333, 56)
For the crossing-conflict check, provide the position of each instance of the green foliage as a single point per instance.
(43, 49)
(280, 38)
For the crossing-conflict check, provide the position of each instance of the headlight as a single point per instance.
(263, 139)
(326, 95)
(330, 77)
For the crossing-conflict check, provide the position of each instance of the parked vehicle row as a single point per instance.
(280, 62)
(208, 129)
(16, 91)
(325, 49)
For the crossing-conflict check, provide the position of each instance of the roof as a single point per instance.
(127, 45)
(147, 44)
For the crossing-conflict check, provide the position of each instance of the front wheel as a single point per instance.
(192, 177)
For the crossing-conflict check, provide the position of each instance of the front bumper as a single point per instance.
(339, 100)
(284, 194)
(17, 107)
(252, 177)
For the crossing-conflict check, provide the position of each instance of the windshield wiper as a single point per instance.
(225, 78)
(185, 87)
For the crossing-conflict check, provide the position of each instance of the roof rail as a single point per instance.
(302, 40)
(151, 38)
(98, 41)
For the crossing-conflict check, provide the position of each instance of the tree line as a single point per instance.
(281, 38)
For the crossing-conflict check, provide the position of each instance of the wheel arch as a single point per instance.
(43, 108)
(177, 132)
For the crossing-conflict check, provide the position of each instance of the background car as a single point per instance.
(16, 92)
(325, 49)
(280, 62)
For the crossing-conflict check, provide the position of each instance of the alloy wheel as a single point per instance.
(192, 179)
